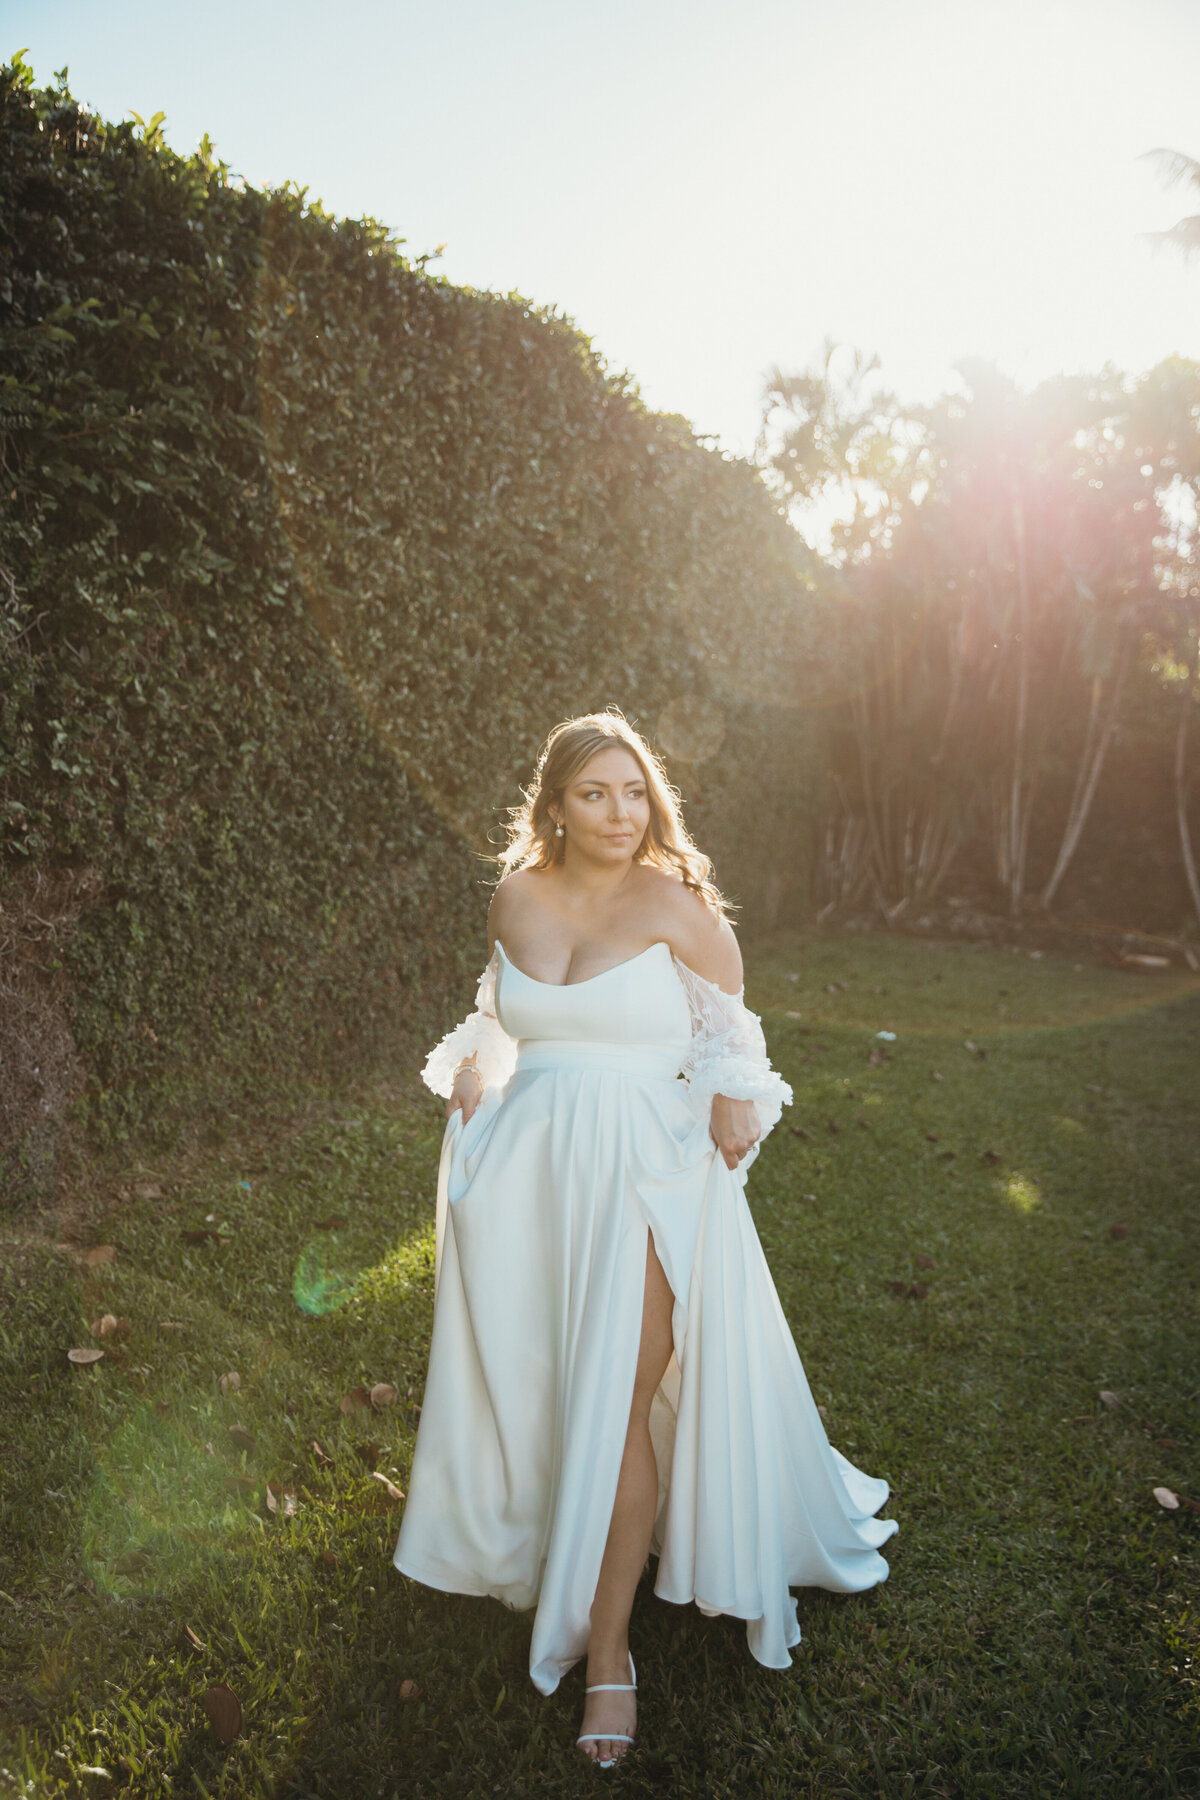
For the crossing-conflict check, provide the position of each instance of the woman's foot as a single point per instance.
(610, 1706)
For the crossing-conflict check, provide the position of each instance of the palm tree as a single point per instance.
(1185, 233)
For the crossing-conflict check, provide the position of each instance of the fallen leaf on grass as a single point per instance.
(389, 1487)
(990, 1156)
(241, 1438)
(932, 1137)
(1118, 1231)
(1172, 1501)
(281, 1499)
(84, 1358)
(355, 1400)
(134, 1562)
(909, 1290)
(225, 1710)
(229, 1384)
(330, 1558)
(148, 1190)
(329, 1225)
(104, 1326)
(799, 1131)
(368, 1453)
(923, 1261)
(384, 1394)
(198, 1234)
(1108, 1397)
(322, 1455)
(408, 1690)
(188, 1639)
(101, 1253)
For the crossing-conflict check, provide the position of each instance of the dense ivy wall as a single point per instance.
(302, 554)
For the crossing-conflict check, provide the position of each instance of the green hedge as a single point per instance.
(304, 551)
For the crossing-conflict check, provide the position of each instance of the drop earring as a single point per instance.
(559, 832)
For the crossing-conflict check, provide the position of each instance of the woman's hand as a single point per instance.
(467, 1091)
(734, 1127)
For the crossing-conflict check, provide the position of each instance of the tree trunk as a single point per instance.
(1181, 791)
(1088, 776)
(1018, 829)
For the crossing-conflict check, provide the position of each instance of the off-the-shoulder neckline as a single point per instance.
(659, 944)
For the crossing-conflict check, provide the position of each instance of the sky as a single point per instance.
(713, 188)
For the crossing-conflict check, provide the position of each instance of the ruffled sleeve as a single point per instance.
(728, 1053)
(480, 1031)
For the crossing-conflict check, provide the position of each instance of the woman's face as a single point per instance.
(605, 809)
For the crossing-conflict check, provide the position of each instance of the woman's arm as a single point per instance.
(727, 1066)
(477, 1053)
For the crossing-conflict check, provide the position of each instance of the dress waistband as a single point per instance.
(644, 1060)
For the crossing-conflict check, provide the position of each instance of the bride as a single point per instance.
(610, 1371)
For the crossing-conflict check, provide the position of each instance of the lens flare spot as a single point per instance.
(1022, 1193)
(317, 1289)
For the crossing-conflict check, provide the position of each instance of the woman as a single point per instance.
(610, 1370)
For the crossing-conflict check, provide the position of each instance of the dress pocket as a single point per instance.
(461, 1143)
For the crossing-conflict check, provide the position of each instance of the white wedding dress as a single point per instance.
(594, 1129)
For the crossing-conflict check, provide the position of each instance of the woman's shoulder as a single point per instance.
(511, 899)
(699, 936)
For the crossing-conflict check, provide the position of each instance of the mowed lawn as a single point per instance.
(980, 1228)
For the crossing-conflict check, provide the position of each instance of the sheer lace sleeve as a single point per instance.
(728, 1053)
(481, 1031)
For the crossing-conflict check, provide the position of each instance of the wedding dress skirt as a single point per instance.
(544, 1201)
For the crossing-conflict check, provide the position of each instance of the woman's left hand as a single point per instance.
(734, 1127)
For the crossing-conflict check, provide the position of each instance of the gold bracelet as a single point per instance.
(467, 1068)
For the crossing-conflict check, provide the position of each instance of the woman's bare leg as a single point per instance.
(628, 1542)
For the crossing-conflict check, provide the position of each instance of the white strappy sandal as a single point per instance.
(614, 1737)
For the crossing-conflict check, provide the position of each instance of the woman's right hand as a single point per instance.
(465, 1094)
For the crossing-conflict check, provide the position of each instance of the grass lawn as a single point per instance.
(1040, 1630)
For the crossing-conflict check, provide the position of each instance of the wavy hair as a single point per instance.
(667, 842)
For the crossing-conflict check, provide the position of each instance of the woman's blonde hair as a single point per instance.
(666, 843)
